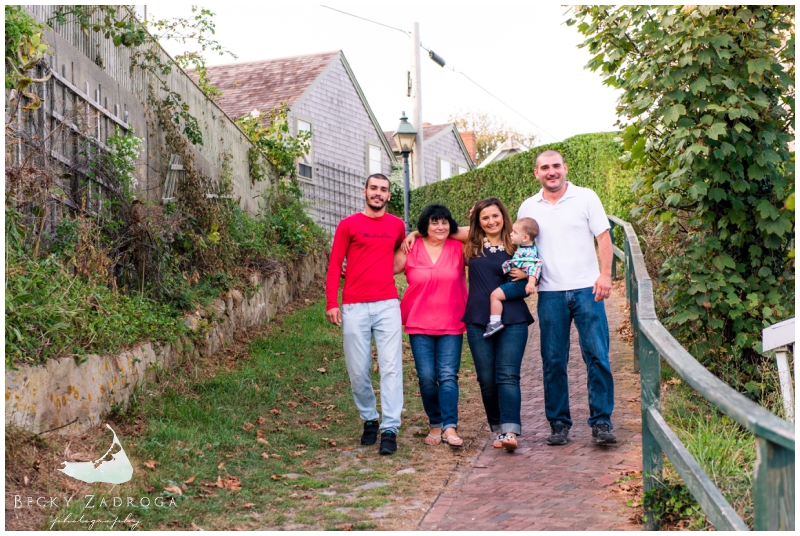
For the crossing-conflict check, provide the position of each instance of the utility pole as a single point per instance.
(417, 161)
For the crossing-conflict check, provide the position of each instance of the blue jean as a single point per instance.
(438, 360)
(497, 362)
(360, 323)
(557, 310)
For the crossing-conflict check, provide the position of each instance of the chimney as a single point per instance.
(470, 142)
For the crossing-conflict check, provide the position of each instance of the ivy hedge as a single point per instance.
(592, 161)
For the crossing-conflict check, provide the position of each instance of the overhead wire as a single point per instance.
(498, 99)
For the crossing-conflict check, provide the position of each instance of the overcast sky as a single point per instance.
(523, 53)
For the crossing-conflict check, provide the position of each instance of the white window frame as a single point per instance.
(369, 146)
(308, 159)
(449, 165)
(462, 169)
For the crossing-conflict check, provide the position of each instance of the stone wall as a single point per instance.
(76, 397)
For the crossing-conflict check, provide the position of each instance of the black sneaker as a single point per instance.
(388, 443)
(370, 435)
(491, 329)
(601, 434)
(559, 435)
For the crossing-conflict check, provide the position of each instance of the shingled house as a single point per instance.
(446, 151)
(323, 97)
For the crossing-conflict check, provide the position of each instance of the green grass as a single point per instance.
(201, 428)
(724, 450)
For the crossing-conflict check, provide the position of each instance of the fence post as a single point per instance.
(632, 290)
(652, 455)
(613, 257)
(773, 486)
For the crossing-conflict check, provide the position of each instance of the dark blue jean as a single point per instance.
(557, 310)
(497, 363)
(438, 360)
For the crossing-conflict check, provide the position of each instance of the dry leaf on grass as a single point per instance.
(265, 455)
(275, 411)
(190, 480)
(172, 488)
(248, 426)
(151, 464)
(297, 453)
(322, 369)
(248, 505)
(309, 472)
(291, 404)
(674, 381)
(346, 527)
(275, 477)
(261, 437)
(261, 420)
(275, 456)
(221, 466)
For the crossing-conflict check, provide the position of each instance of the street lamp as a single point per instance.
(404, 139)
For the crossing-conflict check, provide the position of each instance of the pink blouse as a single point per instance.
(434, 301)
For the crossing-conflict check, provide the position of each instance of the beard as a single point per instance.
(376, 204)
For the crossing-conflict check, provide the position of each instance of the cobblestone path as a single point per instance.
(542, 487)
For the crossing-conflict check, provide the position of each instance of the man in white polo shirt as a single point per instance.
(571, 288)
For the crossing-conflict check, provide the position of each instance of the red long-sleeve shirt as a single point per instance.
(369, 245)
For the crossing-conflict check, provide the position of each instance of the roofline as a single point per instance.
(363, 98)
(271, 59)
(307, 91)
(460, 142)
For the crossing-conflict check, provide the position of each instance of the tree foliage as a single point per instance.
(490, 131)
(707, 106)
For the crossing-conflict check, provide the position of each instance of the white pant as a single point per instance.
(360, 323)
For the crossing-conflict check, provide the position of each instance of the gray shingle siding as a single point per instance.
(447, 147)
(340, 124)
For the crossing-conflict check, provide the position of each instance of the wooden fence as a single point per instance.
(773, 478)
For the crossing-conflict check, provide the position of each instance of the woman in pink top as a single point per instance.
(431, 311)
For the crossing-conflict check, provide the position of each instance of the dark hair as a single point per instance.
(433, 213)
(548, 152)
(529, 227)
(474, 244)
(380, 176)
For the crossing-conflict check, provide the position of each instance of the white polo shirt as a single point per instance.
(566, 237)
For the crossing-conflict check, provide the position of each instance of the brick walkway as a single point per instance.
(542, 487)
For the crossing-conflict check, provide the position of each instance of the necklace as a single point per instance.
(492, 249)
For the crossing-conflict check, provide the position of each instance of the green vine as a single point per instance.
(25, 48)
(271, 136)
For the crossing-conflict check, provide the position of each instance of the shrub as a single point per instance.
(592, 160)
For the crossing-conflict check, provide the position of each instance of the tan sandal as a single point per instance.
(510, 443)
(498, 441)
(433, 439)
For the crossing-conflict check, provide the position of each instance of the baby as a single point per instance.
(526, 257)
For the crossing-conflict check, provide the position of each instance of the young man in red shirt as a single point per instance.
(370, 308)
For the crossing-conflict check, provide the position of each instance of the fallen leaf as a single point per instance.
(256, 387)
(190, 480)
(261, 420)
(172, 488)
(322, 369)
(151, 464)
(221, 466)
(330, 407)
(332, 443)
(248, 426)
(674, 381)
(26, 480)
(275, 456)
(275, 477)
(297, 453)
(275, 411)
(308, 472)
(346, 527)
(291, 404)
(195, 527)
(300, 446)
(248, 505)
(280, 353)
(265, 455)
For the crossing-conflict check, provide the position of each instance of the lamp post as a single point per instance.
(404, 139)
